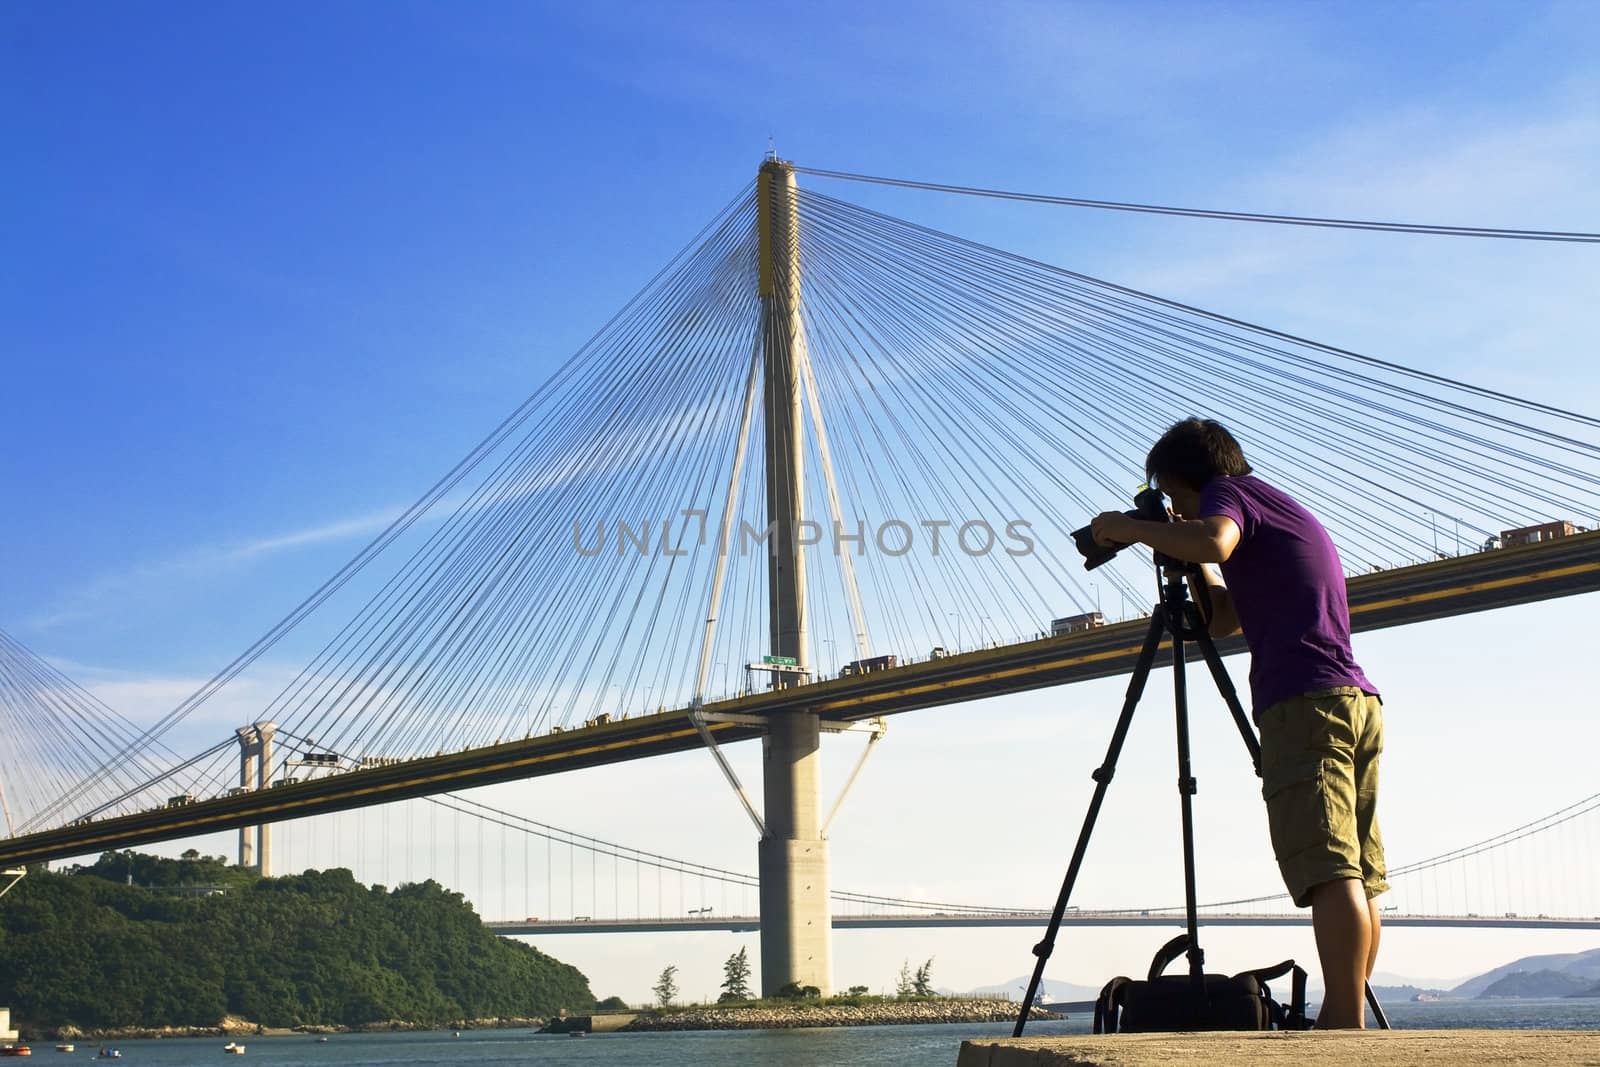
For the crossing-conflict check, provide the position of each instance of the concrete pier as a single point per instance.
(796, 934)
(1368, 1048)
(255, 767)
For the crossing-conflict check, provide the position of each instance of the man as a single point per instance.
(1321, 720)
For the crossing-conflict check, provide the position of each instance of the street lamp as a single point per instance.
(956, 615)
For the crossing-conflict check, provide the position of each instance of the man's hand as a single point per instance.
(1112, 528)
(1193, 540)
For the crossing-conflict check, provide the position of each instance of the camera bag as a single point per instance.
(1171, 1002)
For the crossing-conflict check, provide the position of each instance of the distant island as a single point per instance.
(193, 942)
(1567, 974)
(1546, 983)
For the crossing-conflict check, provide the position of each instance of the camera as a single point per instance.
(1148, 504)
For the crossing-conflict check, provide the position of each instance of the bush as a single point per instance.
(796, 991)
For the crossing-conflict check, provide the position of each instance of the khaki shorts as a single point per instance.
(1319, 777)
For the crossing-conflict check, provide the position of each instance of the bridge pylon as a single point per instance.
(255, 768)
(796, 924)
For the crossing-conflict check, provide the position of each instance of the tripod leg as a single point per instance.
(1102, 778)
(1219, 674)
(1186, 791)
(1377, 1009)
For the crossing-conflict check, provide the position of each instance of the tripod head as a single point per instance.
(1183, 618)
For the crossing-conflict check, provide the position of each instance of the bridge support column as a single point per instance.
(796, 927)
(249, 751)
(255, 771)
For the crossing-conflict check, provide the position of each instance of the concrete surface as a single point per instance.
(1359, 1048)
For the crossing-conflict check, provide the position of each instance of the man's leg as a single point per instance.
(1377, 934)
(1343, 922)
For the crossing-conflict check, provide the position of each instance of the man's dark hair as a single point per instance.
(1194, 451)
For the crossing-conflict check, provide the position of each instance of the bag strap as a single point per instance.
(1263, 975)
(1292, 1015)
(1297, 1002)
(1167, 953)
(1109, 1004)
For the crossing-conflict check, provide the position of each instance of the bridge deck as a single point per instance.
(1034, 920)
(1454, 586)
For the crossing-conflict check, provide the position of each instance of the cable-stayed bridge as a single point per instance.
(821, 469)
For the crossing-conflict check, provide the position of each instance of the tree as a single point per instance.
(922, 982)
(905, 987)
(857, 991)
(736, 977)
(666, 986)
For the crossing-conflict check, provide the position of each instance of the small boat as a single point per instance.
(233, 1049)
(68, 1047)
(322, 1040)
(16, 1050)
(111, 1054)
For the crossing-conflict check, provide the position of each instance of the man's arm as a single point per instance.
(1192, 540)
(1223, 619)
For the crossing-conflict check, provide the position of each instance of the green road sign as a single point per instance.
(782, 661)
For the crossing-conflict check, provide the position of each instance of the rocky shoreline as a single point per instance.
(767, 1017)
(873, 1013)
(236, 1027)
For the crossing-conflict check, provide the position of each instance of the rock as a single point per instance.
(803, 1014)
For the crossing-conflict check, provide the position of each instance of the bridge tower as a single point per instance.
(796, 927)
(255, 767)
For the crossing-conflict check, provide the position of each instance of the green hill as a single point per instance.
(1545, 983)
(194, 940)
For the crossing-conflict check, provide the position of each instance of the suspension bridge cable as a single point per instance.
(1205, 213)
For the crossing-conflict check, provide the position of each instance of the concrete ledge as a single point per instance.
(1366, 1048)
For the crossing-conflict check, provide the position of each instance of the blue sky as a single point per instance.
(269, 274)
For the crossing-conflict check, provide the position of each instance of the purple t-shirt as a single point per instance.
(1288, 590)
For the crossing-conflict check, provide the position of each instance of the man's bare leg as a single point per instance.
(1377, 934)
(1342, 920)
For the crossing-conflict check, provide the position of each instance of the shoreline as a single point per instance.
(710, 1017)
(802, 1015)
(236, 1028)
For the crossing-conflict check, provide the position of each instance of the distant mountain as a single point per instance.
(1580, 964)
(1054, 992)
(1535, 984)
(1386, 978)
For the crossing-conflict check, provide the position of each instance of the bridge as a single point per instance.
(928, 385)
(1034, 920)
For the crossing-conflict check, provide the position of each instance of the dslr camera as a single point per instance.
(1148, 504)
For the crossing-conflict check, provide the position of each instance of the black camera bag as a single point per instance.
(1170, 1002)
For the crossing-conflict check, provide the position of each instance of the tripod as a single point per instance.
(1173, 614)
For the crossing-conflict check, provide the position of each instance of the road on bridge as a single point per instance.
(1454, 586)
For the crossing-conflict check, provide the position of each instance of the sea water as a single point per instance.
(866, 1046)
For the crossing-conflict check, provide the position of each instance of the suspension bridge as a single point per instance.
(821, 470)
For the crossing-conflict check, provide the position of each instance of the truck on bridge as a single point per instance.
(867, 666)
(1073, 624)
